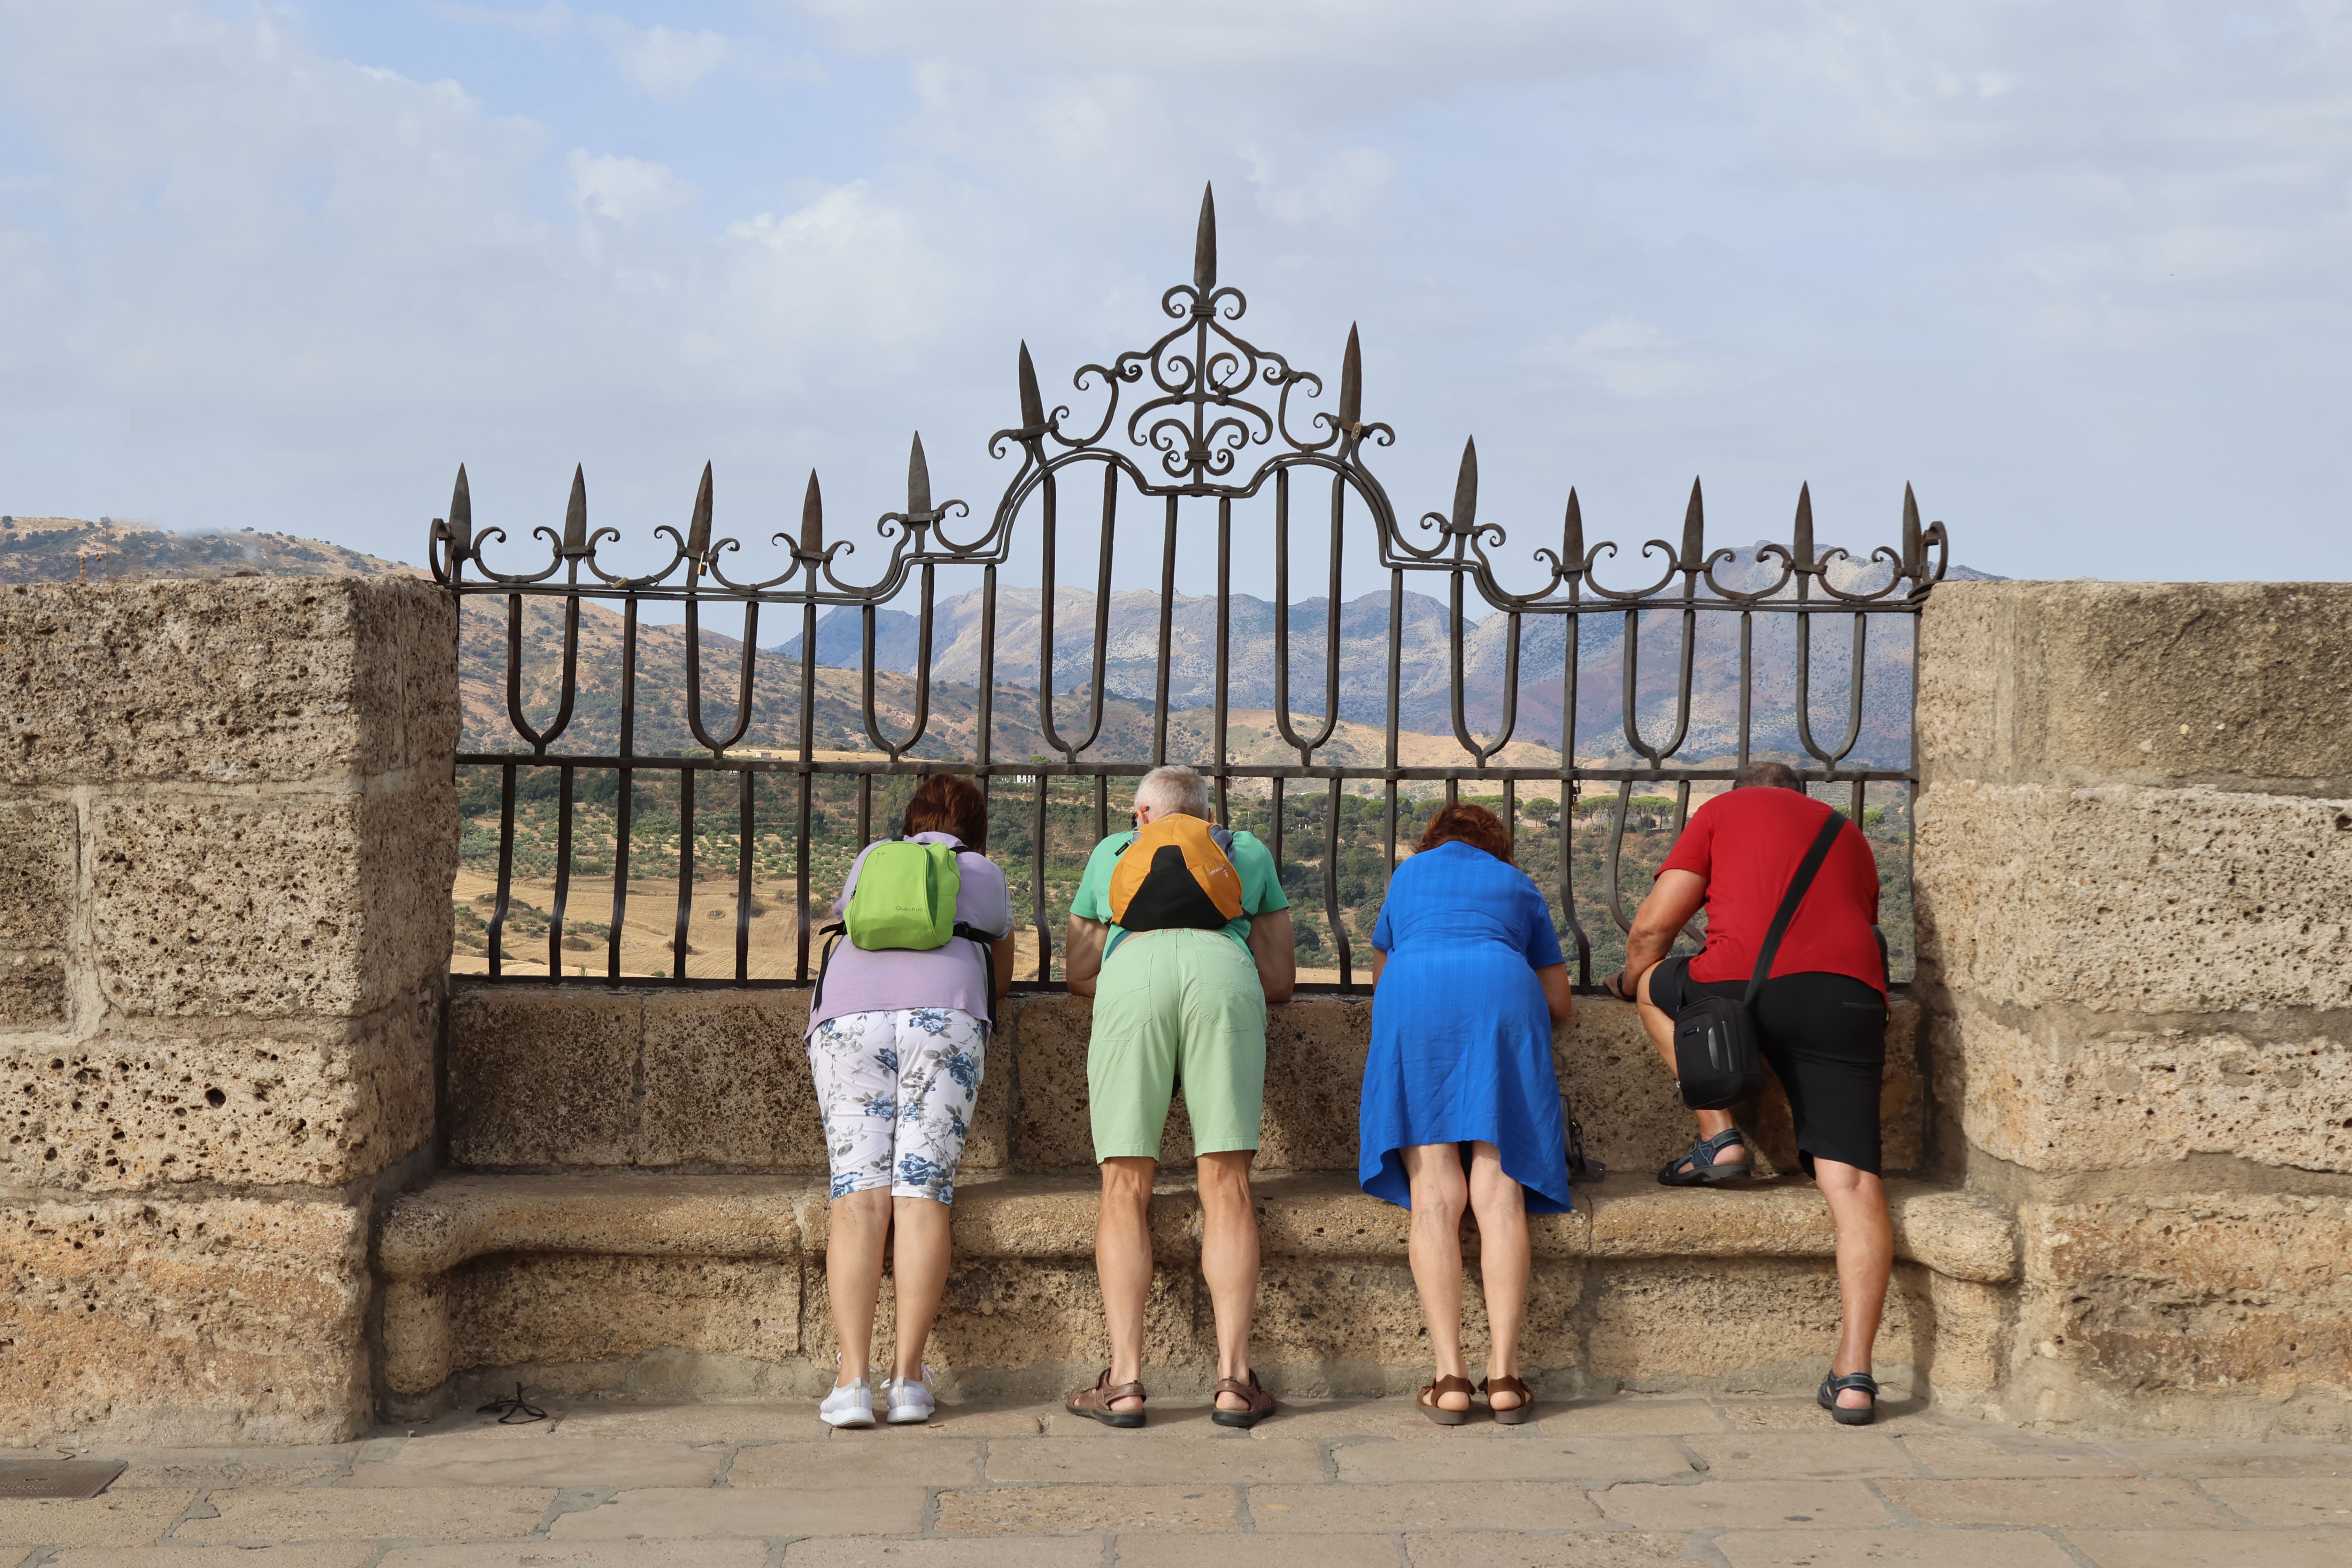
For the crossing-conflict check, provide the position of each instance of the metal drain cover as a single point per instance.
(57, 1478)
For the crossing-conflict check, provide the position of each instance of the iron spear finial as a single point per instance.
(1466, 489)
(919, 482)
(1571, 534)
(1204, 245)
(1032, 406)
(698, 532)
(813, 519)
(1693, 531)
(1802, 540)
(1351, 383)
(461, 518)
(1914, 557)
(575, 514)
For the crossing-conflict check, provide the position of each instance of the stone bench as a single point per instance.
(701, 1285)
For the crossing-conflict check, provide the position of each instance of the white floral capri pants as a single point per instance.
(897, 1090)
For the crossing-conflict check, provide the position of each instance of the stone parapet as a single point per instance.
(571, 1077)
(2134, 858)
(225, 858)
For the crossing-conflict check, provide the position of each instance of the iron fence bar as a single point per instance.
(562, 870)
(1331, 888)
(808, 739)
(1223, 697)
(624, 801)
(1037, 888)
(746, 841)
(1167, 635)
(1021, 771)
(506, 867)
(683, 925)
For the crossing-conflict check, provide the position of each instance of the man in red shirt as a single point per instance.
(1821, 1019)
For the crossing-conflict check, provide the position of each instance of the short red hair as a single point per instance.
(1472, 825)
(946, 804)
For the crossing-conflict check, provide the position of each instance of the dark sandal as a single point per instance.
(1703, 1169)
(1834, 1385)
(1261, 1403)
(1517, 1414)
(1426, 1400)
(1095, 1403)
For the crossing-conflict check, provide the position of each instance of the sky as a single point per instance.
(2075, 270)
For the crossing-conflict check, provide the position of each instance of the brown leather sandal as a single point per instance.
(1095, 1403)
(1426, 1400)
(1517, 1414)
(1261, 1403)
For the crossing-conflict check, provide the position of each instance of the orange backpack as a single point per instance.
(1176, 873)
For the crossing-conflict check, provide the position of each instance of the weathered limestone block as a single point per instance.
(257, 679)
(280, 906)
(269, 1104)
(2063, 1099)
(1975, 1327)
(542, 1308)
(727, 1082)
(542, 1077)
(1314, 1082)
(1049, 1121)
(1334, 1326)
(31, 991)
(148, 1321)
(36, 880)
(2237, 683)
(1677, 1324)
(1955, 1232)
(2206, 1294)
(420, 1342)
(2121, 899)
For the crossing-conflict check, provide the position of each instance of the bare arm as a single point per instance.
(1275, 948)
(1082, 951)
(1670, 906)
(1553, 978)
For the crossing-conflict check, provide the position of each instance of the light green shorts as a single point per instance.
(1177, 1006)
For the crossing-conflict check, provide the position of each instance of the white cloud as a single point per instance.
(663, 61)
(625, 190)
(549, 21)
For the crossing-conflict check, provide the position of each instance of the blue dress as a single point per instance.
(1461, 1037)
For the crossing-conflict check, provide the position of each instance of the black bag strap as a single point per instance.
(1799, 885)
(817, 997)
(986, 941)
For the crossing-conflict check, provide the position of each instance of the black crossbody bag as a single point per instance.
(1716, 1061)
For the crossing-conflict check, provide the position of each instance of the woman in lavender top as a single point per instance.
(896, 1042)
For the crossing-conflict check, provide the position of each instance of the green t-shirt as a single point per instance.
(1253, 862)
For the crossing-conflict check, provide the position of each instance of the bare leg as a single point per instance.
(1660, 1025)
(1229, 1260)
(852, 1275)
(1865, 1258)
(1123, 1264)
(1440, 1194)
(1505, 1260)
(922, 1254)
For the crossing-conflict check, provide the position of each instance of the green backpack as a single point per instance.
(905, 898)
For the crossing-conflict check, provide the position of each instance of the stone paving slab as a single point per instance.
(1624, 1482)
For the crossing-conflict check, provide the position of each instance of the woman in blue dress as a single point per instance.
(1460, 1105)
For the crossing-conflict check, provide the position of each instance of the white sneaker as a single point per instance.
(852, 1406)
(911, 1399)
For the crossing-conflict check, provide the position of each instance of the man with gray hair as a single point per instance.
(1181, 933)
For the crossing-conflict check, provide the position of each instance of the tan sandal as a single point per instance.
(1517, 1414)
(1261, 1403)
(1427, 1400)
(1095, 1403)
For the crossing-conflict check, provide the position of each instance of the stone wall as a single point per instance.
(2135, 885)
(227, 832)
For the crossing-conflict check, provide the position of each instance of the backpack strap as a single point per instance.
(986, 941)
(817, 997)
(1798, 886)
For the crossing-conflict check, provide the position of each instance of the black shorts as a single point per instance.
(1824, 1036)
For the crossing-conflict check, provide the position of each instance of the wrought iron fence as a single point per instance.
(1179, 421)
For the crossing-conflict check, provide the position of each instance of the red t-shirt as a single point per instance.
(1747, 843)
